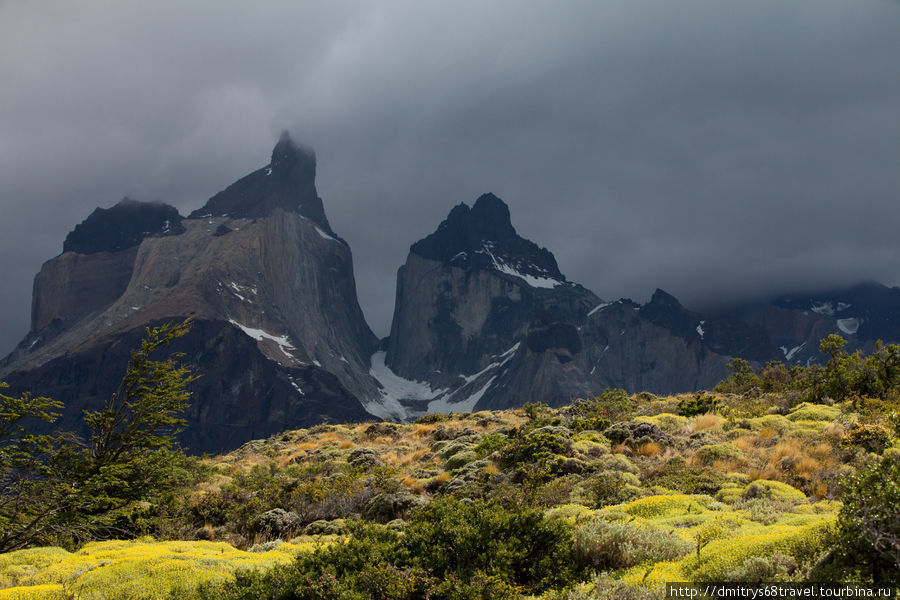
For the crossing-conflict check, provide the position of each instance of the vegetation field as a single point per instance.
(778, 475)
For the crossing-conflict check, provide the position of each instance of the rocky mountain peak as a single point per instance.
(288, 183)
(122, 226)
(483, 237)
(291, 161)
(664, 310)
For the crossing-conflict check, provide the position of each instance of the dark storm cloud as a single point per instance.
(714, 149)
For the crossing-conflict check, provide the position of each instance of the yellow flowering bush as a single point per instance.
(17, 567)
(668, 422)
(142, 568)
(775, 490)
(667, 505)
(814, 412)
(35, 592)
(723, 555)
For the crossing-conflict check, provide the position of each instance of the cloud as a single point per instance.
(712, 149)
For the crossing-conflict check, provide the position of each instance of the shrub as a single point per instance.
(618, 433)
(667, 505)
(522, 548)
(611, 487)
(716, 529)
(389, 506)
(869, 521)
(805, 544)
(713, 452)
(759, 569)
(762, 488)
(871, 438)
(277, 523)
(689, 480)
(814, 412)
(603, 545)
(492, 442)
(604, 587)
(590, 424)
(536, 457)
(697, 405)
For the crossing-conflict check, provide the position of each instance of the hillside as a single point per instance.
(621, 492)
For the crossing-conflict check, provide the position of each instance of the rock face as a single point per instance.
(279, 339)
(484, 319)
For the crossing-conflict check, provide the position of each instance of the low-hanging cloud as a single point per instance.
(716, 150)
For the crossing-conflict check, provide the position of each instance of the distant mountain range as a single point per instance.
(484, 319)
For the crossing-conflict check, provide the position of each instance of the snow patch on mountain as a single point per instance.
(790, 354)
(599, 307)
(446, 406)
(324, 235)
(848, 326)
(532, 280)
(506, 356)
(395, 388)
(259, 335)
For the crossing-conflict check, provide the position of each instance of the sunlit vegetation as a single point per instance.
(608, 497)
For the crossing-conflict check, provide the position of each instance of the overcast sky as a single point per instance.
(715, 149)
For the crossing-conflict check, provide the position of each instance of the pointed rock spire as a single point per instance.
(288, 182)
(292, 161)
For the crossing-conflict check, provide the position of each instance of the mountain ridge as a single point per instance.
(483, 318)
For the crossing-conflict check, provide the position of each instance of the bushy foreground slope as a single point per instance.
(605, 496)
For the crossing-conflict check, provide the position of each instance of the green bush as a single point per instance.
(689, 480)
(697, 405)
(449, 549)
(723, 451)
(869, 521)
(604, 545)
(492, 442)
(612, 487)
(869, 437)
(536, 457)
(522, 548)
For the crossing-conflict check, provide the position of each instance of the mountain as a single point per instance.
(484, 319)
(795, 323)
(278, 338)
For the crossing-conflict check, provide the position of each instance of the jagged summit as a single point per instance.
(288, 182)
(666, 311)
(483, 237)
(122, 226)
(291, 161)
